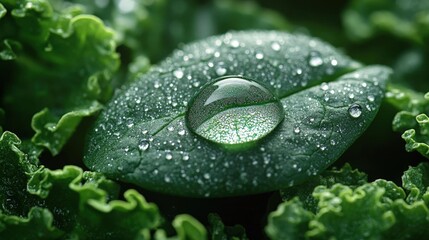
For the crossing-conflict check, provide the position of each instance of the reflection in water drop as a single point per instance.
(355, 110)
(234, 110)
(144, 145)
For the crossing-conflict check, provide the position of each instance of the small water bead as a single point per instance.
(181, 132)
(324, 86)
(234, 43)
(297, 130)
(168, 156)
(275, 46)
(355, 110)
(315, 59)
(259, 56)
(178, 73)
(234, 110)
(220, 71)
(371, 98)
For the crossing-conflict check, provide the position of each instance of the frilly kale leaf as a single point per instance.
(58, 64)
(38, 203)
(383, 25)
(375, 210)
(366, 18)
(218, 231)
(155, 28)
(413, 119)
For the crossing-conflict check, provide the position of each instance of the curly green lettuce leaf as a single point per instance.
(38, 225)
(366, 18)
(289, 221)
(412, 119)
(16, 167)
(61, 69)
(346, 175)
(218, 231)
(187, 228)
(156, 28)
(375, 210)
(416, 181)
(67, 202)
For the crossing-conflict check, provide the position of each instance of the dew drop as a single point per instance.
(324, 86)
(220, 71)
(297, 130)
(178, 74)
(299, 71)
(168, 156)
(181, 132)
(234, 110)
(206, 176)
(355, 110)
(259, 56)
(234, 43)
(167, 179)
(275, 46)
(371, 98)
(144, 145)
(315, 59)
(185, 157)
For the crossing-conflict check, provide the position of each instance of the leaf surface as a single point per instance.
(328, 101)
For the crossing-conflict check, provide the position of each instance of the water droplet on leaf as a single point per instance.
(178, 73)
(220, 71)
(234, 110)
(259, 56)
(275, 46)
(355, 110)
(315, 59)
(144, 145)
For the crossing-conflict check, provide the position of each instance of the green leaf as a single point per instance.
(289, 221)
(346, 175)
(16, 166)
(53, 133)
(218, 231)
(416, 181)
(189, 228)
(62, 66)
(142, 136)
(376, 210)
(366, 18)
(155, 28)
(412, 120)
(38, 225)
(350, 214)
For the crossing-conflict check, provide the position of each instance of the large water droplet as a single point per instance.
(355, 110)
(234, 110)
